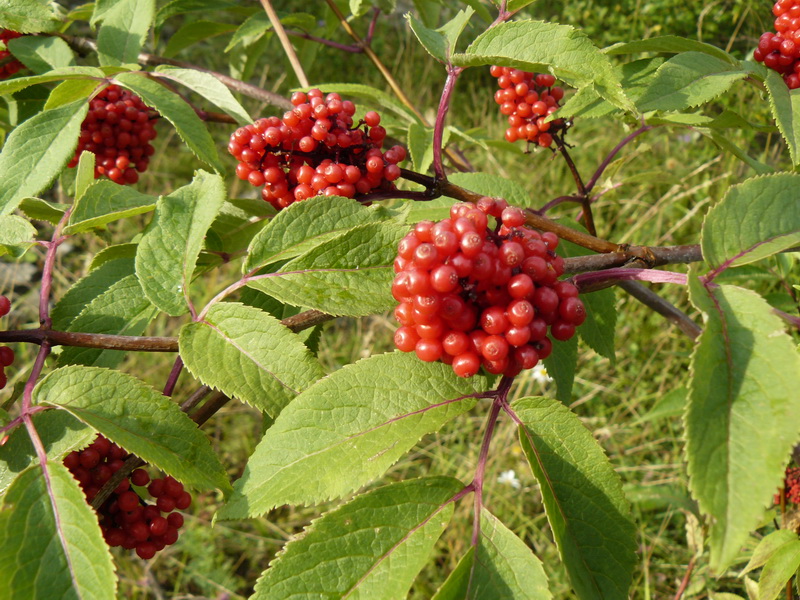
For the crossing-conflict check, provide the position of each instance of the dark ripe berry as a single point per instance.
(562, 331)
(175, 520)
(172, 487)
(128, 501)
(6, 356)
(165, 504)
(5, 306)
(146, 550)
(140, 477)
(72, 460)
(156, 488)
(158, 526)
(183, 501)
(572, 311)
(89, 458)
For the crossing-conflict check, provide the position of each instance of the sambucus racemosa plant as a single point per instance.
(480, 295)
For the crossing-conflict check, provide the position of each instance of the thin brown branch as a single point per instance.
(686, 579)
(84, 45)
(670, 312)
(277, 26)
(582, 195)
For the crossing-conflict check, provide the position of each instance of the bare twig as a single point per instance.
(287, 45)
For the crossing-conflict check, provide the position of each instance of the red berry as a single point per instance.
(6, 356)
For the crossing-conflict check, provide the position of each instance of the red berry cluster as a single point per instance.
(125, 518)
(12, 66)
(118, 130)
(791, 486)
(781, 51)
(315, 149)
(6, 353)
(471, 296)
(527, 99)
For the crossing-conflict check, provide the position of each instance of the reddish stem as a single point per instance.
(438, 127)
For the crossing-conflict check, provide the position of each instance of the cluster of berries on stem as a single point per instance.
(780, 51)
(527, 99)
(118, 131)
(315, 149)
(473, 296)
(10, 65)
(125, 518)
(791, 486)
(6, 353)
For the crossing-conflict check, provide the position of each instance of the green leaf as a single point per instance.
(304, 225)
(688, 80)
(377, 97)
(372, 547)
(767, 547)
(582, 495)
(785, 106)
(249, 355)
(10, 86)
(208, 87)
(732, 237)
(36, 152)
(778, 571)
(670, 44)
(140, 419)
(60, 432)
(252, 28)
(729, 146)
(170, 245)
(84, 174)
(16, 235)
(70, 91)
(743, 394)
(172, 107)
(194, 32)
(501, 566)
(105, 201)
(42, 53)
(350, 274)
(561, 366)
(28, 16)
(83, 291)
(440, 43)
(124, 30)
(538, 46)
(347, 429)
(420, 146)
(123, 309)
(670, 405)
(490, 184)
(50, 540)
(42, 210)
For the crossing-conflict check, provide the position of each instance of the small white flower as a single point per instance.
(509, 478)
(539, 374)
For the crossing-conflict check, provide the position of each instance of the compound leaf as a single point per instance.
(249, 355)
(168, 252)
(500, 566)
(731, 237)
(173, 108)
(739, 420)
(347, 429)
(50, 541)
(582, 495)
(350, 274)
(372, 547)
(36, 151)
(140, 419)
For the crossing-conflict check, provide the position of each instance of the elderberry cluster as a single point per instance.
(780, 51)
(118, 130)
(125, 518)
(12, 66)
(6, 353)
(472, 296)
(527, 99)
(315, 149)
(791, 486)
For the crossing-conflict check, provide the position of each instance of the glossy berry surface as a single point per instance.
(118, 130)
(315, 149)
(12, 66)
(126, 519)
(474, 296)
(527, 99)
(780, 50)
